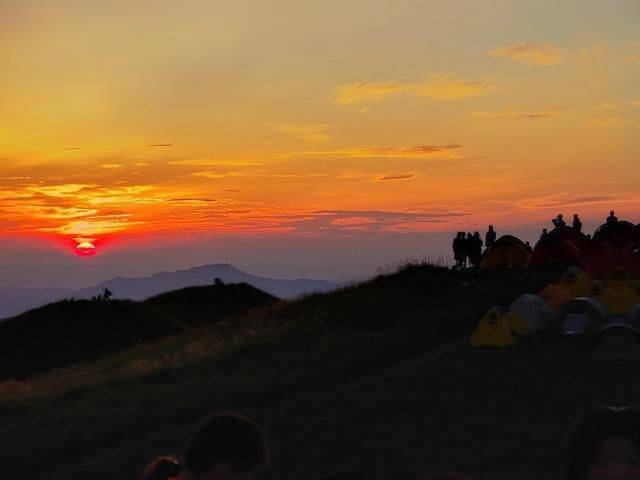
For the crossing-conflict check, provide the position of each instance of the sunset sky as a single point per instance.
(172, 121)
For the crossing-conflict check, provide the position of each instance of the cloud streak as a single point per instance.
(531, 54)
(315, 133)
(397, 177)
(447, 86)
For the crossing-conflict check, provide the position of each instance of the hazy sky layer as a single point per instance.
(164, 121)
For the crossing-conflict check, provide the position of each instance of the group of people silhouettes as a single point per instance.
(467, 249)
(559, 224)
(604, 445)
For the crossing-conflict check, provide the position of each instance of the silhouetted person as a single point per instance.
(605, 445)
(490, 237)
(577, 223)
(475, 254)
(162, 468)
(107, 294)
(467, 249)
(527, 244)
(99, 298)
(544, 234)
(458, 246)
(612, 217)
(226, 446)
(559, 222)
(217, 282)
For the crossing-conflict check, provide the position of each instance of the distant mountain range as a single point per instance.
(15, 300)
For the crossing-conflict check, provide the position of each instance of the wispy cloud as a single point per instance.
(565, 199)
(122, 166)
(517, 112)
(531, 54)
(402, 176)
(611, 121)
(160, 145)
(213, 162)
(367, 92)
(447, 86)
(450, 150)
(316, 133)
(92, 227)
(608, 106)
(594, 54)
(450, 87)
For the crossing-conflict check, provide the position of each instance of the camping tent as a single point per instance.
(562, 244)
(583, 315)
(508, 251)
(615, 233)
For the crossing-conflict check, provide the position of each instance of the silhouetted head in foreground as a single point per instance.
(162, 468)
(226, 446)
(343, 475)
(605, 446)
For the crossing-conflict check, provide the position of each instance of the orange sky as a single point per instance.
(131, 118)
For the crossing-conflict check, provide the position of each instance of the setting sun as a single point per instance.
(86, 248)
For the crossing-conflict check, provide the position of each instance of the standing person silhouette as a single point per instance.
(612, 217)
(577, 223)
(490, 237)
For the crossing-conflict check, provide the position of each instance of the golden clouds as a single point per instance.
(367, 92)
(316, 133)
(400, 176)
(611, 121)
(93, 227)
(531, 54)
(516, 112)
(594, 54)
(447, 86)
(450, 150)
(450, 87)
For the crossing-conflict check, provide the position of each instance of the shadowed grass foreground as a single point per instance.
(281, 365)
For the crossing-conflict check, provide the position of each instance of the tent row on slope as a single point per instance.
(613, 244)
(575, 305)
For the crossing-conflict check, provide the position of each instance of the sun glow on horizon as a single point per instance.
(406, 130)
(86, 248)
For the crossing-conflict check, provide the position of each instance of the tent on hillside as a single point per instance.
(615, 233)
(565, 244)
(583, 315)
(507, 252)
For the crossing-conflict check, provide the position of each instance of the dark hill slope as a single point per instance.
(70, 331)
(208, 304)
(276, 363)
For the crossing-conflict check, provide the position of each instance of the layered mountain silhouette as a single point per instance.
(15, 300)
(142, 288)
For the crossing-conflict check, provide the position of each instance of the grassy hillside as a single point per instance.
(67, 332)
(208, 304)
(277, 364)
(70, 331)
